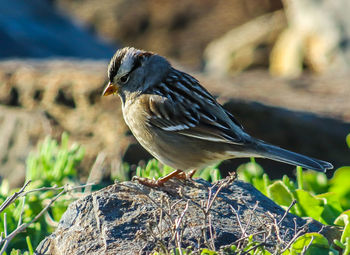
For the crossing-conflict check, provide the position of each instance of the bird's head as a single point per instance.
(133, 70)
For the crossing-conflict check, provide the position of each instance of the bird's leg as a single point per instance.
(183, 176)
(190, 174)
(160, 182)
(178, 174)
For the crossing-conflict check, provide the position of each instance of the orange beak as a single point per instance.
(110, 89)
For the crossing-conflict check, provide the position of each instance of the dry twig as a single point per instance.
(22, 226)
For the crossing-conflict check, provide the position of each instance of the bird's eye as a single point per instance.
(124, 79)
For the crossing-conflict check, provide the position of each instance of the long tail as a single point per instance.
(276, 153)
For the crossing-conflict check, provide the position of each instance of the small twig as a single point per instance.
(239, 223)
(153, 201)
(256, 216)
(295, 226)
(160, 224)
(5, 224)
(246, 237)
(50, 221)
(276, 226)
(222, 184)
(321, 229)
(5, 241)
(285, 234)
(22, 211)
(308, 246)
(251, 216)
(55, 187)
(12, 198)
(238, 220)
(210, 226)
(206, 207)
(253, 248)
(178, 229)
(287, 211)
(174, 204)
(300, 232)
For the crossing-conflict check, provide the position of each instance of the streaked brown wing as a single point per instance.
(185, 107)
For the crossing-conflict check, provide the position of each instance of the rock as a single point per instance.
(317, 36)
(20, 131)
(305, 33)
(67, 93)
(178, 29)
(128, 218)
(36, 29)
(244, 46)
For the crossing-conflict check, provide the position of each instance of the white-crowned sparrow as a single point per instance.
(178, 121)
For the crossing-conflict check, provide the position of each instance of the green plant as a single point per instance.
(48, 171)
(55, 165)
(327, 201)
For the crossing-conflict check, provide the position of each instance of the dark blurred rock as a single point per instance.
(307, 115)
(34, 29)
(128, 218)
(179, 29)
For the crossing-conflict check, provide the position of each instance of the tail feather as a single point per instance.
(292, 158)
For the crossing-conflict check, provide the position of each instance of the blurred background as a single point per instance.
(281, 67)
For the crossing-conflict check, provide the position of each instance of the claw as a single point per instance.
(178, 174)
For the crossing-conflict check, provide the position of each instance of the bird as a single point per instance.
(179, 122)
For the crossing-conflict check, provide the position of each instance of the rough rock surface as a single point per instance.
(128, 218)
(309, 115)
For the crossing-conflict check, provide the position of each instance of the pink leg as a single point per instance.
(160, 182)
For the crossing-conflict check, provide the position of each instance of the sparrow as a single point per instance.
(179, 122)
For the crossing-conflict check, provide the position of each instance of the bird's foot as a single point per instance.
(177, 174)
(185, 176)
(152, 183)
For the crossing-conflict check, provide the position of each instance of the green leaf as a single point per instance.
(344, 221)
(248, 171)
(289, 184)
(347, 246)
(30, 247)
(279, 193)
(208, 252)
(331, 207)
(203, 173)
(319, 245)
(215, 175)
(300, 177)
(260, 184)
(348, 140)
(339, 184)
(315, 182)
(309, 205)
